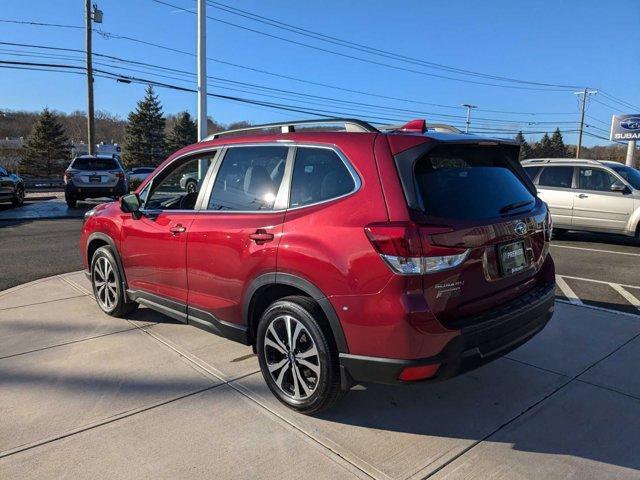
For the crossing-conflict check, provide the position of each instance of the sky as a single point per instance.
(576, 43)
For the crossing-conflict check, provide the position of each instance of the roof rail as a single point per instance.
(438, 127)
(561, 160)
(350, 125)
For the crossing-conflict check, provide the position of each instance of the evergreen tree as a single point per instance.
(558, 147)
(184, 133)
(47, 149)
(144, 142)
(525, 149)
(544, 149)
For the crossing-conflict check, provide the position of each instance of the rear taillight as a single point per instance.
(120, 176)
(67, 177)
(406, 248)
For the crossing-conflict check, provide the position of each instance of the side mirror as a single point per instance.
(131, 204)
(618, 187)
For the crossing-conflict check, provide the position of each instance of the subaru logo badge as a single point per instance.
(521, 228)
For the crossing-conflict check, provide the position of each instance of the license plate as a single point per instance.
(95, 178)
(512, 258)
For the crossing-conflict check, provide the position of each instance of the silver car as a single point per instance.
(588, 195)
(94, 176)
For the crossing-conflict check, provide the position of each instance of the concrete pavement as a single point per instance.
(85, 395)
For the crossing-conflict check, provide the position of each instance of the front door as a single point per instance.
(234, 239)
(154, 246)
(596, 207)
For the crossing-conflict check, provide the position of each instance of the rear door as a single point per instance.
(596, 207)
(554, 185)
(475, 201)
(234, 238)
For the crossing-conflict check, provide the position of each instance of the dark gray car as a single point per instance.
(11, 188)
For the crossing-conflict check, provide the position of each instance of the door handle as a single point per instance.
(261, 236)
(582, 195)
(178, 229)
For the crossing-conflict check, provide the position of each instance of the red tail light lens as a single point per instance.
(120, 176)
(67, 177)
(405, 247)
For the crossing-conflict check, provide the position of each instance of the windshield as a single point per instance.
(470, 182)
(631, 175)
(95, 164)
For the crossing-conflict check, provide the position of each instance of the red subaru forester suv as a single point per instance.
(340, 252)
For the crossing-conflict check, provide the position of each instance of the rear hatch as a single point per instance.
(95, 172)
(483, 231)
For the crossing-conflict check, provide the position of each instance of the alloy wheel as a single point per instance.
(292, 357)
(104, 279)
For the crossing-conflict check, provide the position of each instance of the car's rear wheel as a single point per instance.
(106, 280)
(71, 202)
(297, 356)
(18, 197)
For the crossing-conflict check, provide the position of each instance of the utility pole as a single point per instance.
(583, 93)
(468, 122)
(202, 81)
(96, 16)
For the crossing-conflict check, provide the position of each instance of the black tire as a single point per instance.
(18, 196)
(558, 232)
(323, 382)
(111, 297)
(191, 186)
(71, 202)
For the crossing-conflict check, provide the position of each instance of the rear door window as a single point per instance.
(470, 182)
(319, 174)
(249, 179)
(95, 164)
(560, 177)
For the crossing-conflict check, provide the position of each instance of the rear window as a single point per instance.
(470, 182)
(95, 164)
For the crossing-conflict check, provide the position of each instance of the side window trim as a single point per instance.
(282, 197)
(352, 171)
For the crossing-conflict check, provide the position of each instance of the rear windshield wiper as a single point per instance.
(513, 206)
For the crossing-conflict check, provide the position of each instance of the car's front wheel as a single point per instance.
(106, 280)
(18, 196)
(297, 356)
(71, 202)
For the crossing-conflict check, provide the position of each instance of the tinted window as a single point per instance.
(595, 179)
(249, 179)
(532, 172)
(556, 177)
(318, 174)
(178, 186)
(631, 175)
(470, 182)
(95, 164)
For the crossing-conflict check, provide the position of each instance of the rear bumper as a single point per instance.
(484, 339)
(95, 192)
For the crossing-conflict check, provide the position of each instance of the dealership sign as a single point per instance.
(625, 127)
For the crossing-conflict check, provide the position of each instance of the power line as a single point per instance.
(366, 48)
(354, 57)
(620, 101)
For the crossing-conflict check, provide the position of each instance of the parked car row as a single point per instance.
(588, 195)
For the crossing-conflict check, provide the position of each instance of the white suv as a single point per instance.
(589, 195)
